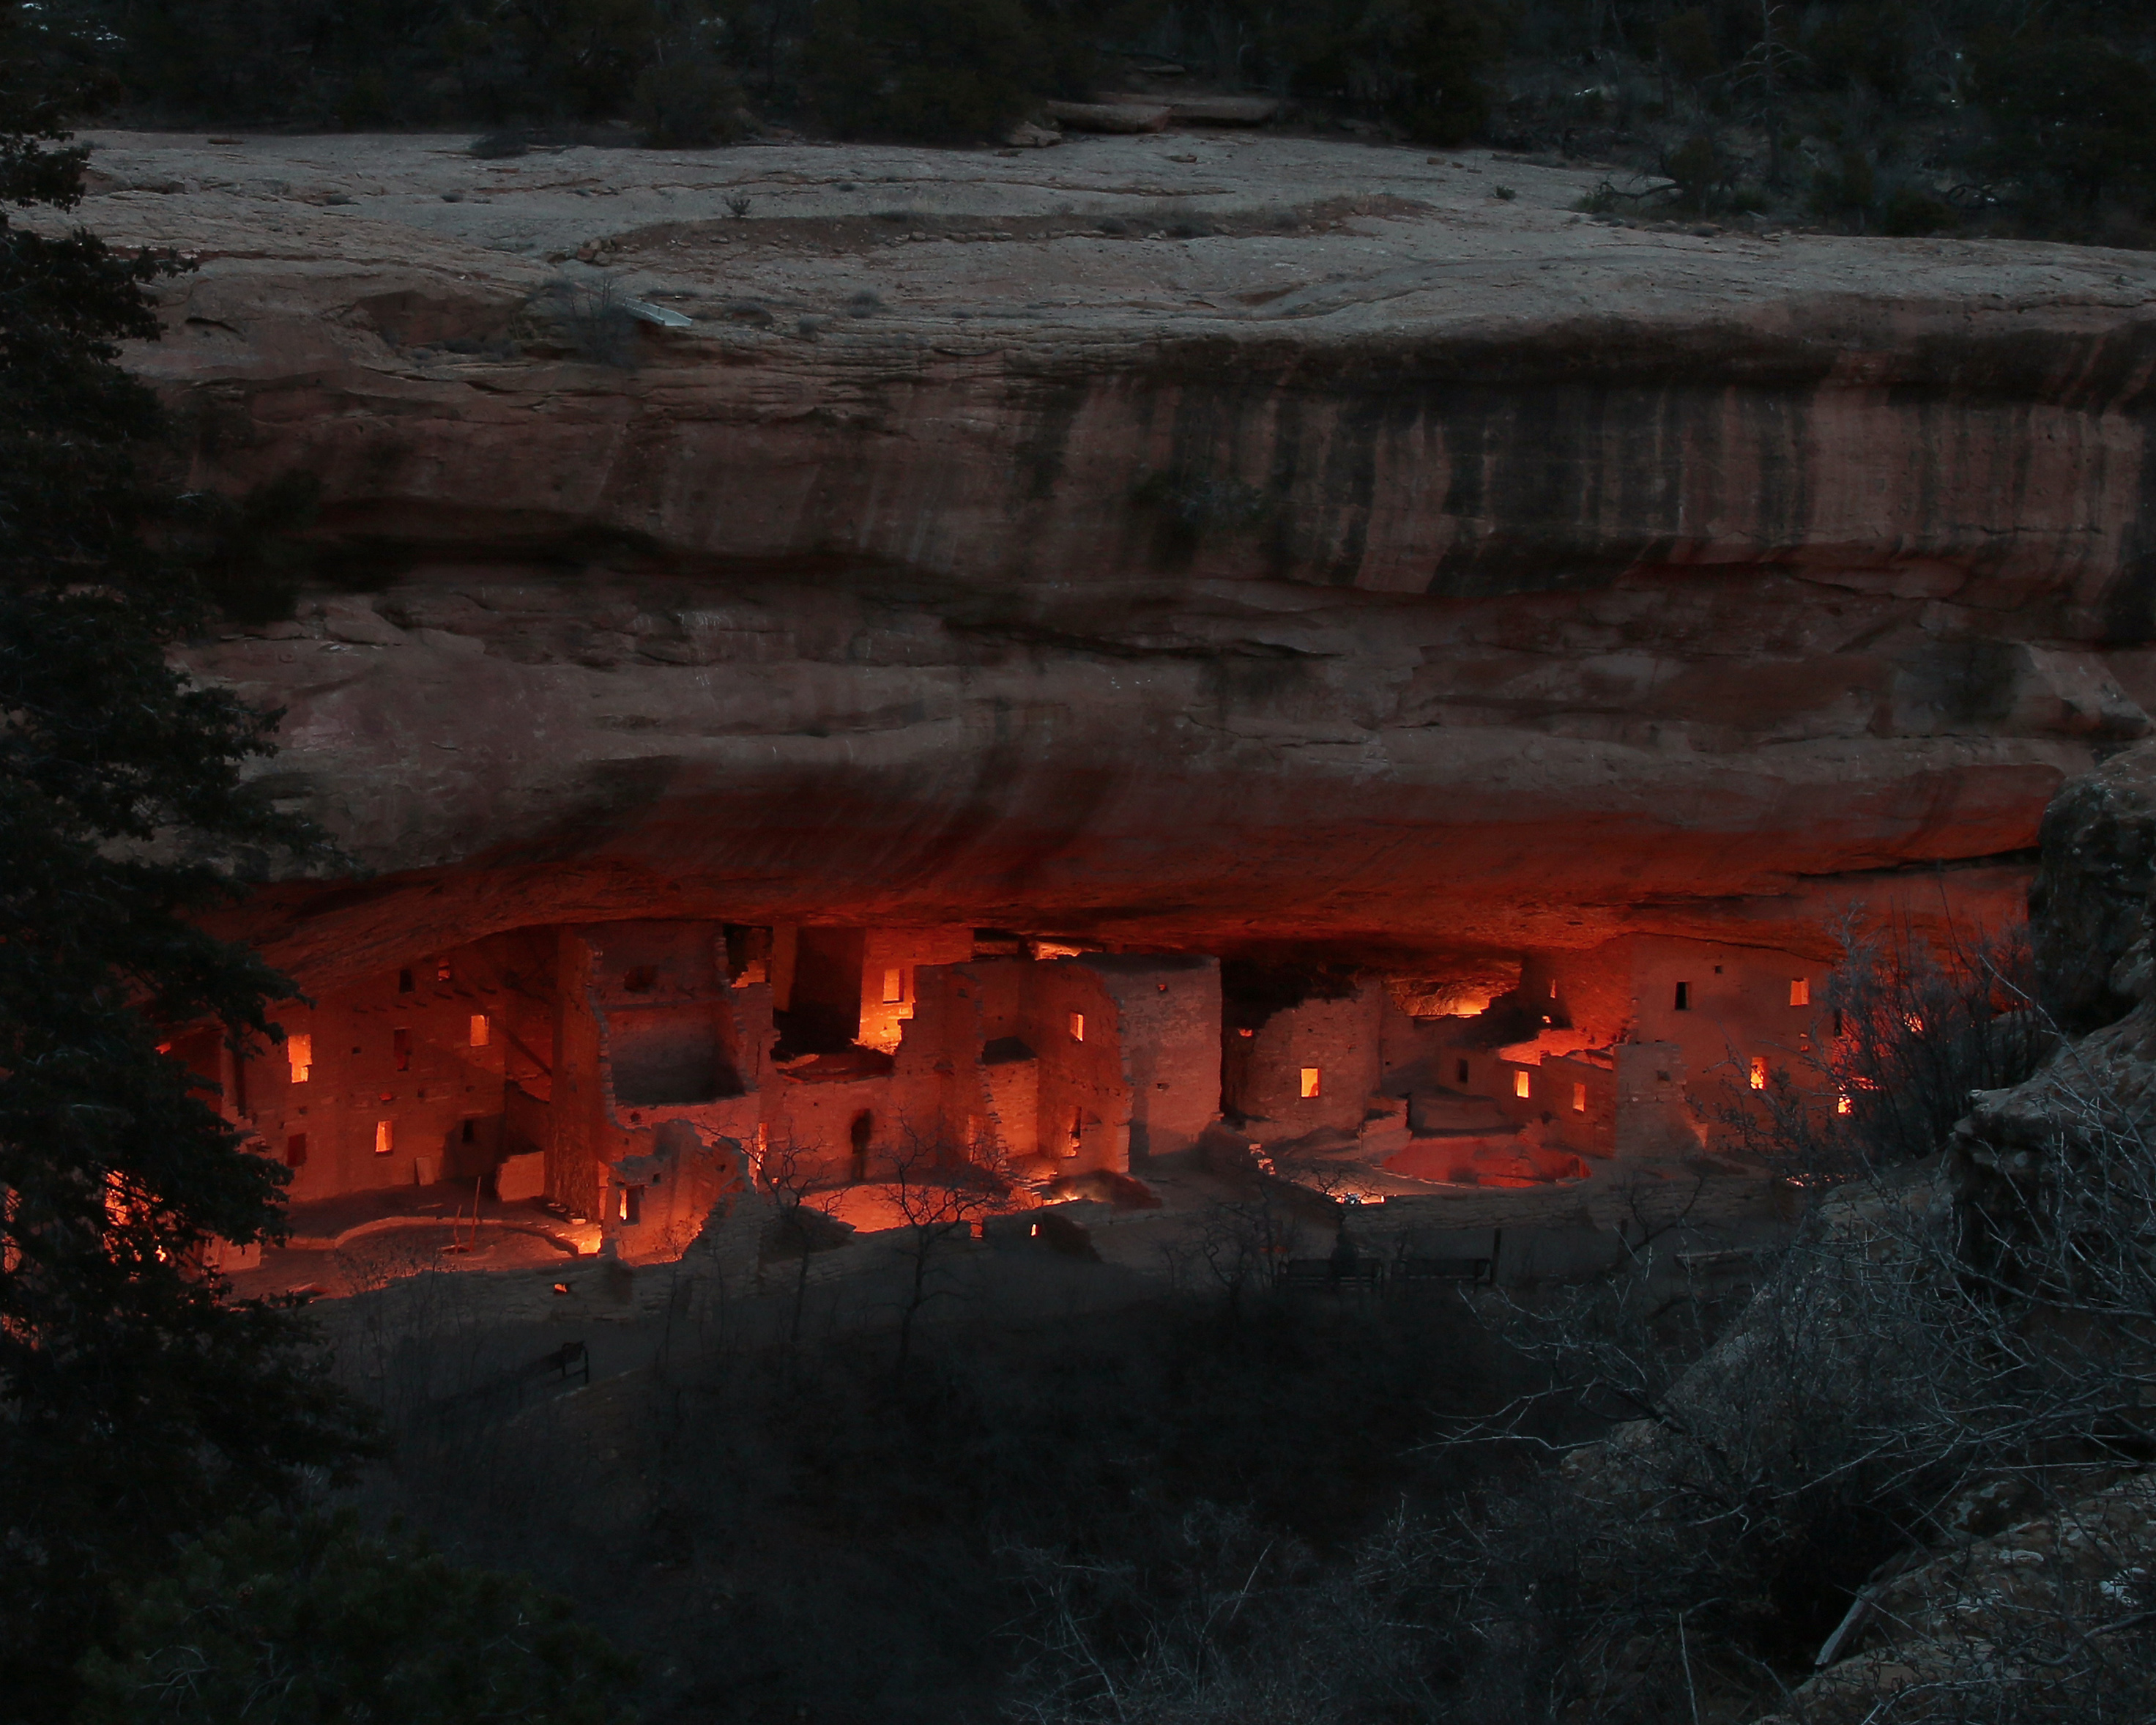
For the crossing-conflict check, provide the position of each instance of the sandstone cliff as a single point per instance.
(1169, 539)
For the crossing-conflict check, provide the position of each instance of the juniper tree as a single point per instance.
(137, 1402)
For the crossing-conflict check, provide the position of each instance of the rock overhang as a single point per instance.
(1506, 579)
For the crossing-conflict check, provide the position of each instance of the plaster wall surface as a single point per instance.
(396, 1091)
(890, 959)
(1338, 1040)
(1167, 1025)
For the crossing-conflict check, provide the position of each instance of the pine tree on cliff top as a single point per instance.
(137, 1405)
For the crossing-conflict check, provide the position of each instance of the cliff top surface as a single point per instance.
(1166, 235)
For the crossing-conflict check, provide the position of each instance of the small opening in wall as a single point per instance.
(1309, 1078)
(468, 1133)
(442, 973)
(1077, 1027)
(1684, 996)
(1837, 1021)
(630, 1205)
(481, 1031)
(1552, 988)
(296, 1150)
(1759, 1072)
(639, 979)
(1522, 1084)
(385, 1136)
(1459, 1071)
(894, 987)
(1246, 1033)
(400, 1045)
(1800, 991)
(1580, 1099)
(405, 981)
(299, 1051)
(1717, 970)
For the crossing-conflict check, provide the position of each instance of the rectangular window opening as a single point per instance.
(1800, 991)
(385, 1136)
(1522, 1084)
(299, 1051)
(1077, 1027)
(894, 987)
(296, 1150)
(1759, 1072)
(400, 1045)
(640, 978)
(1580, 1099)
(403, 982)
(631, 1207)
(481, 1031)
(1310, 1077)
(468, 1133)
(1460, 1068)
(1684, 996)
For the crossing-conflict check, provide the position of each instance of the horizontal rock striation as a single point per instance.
(1179, 542)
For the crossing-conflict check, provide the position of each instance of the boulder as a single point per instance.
(1112, 117)
(2088, 905)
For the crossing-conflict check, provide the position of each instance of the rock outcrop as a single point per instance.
(1176, 540)
(2089, 900)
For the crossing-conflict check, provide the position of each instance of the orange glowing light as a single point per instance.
(1759, 1072)
(1580, 1099)
(1077, 1027)
(1841, 1105)
(385, 1136)
(299, 1051)
(1522, 1084)
(481, 1030)
(1310, 1074)
(1800, 991)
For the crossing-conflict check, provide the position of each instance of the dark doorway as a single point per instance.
(860, 1132)
(824, 1015)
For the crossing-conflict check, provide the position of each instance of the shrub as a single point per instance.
(1423, 64)
(685, 98)
(2076, 113)
(937, 70)
(1911, 212)
(313, 1621)
(1698, 167)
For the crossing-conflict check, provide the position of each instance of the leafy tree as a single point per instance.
(2076, 113)
(317, 1622)
(687, 95)
(136, 1402)
(937, 69)
(1423, 63)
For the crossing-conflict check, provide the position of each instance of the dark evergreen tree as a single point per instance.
(317, 1622)
(137, 1403)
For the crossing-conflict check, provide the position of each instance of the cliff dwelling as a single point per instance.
(921, 739)
(614, 1083)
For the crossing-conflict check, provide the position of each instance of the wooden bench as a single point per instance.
(1327, 1275)
(570, 1356)
(1424, 1272)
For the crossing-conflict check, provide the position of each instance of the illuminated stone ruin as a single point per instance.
(627, 1077)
